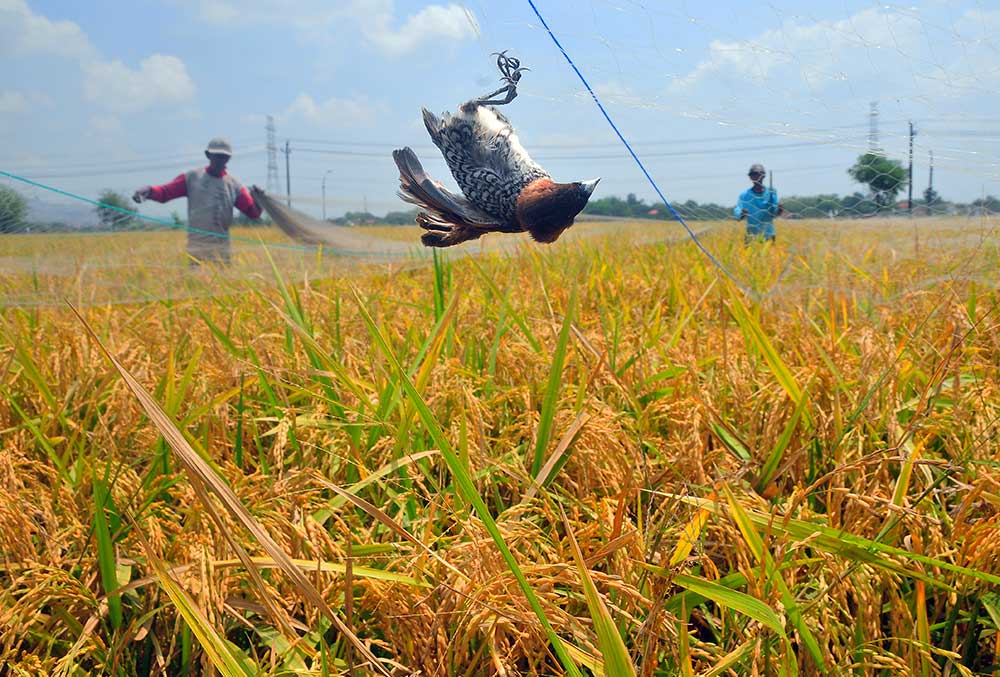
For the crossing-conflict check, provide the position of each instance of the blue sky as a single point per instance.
(121, 94)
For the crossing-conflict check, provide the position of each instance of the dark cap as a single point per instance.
(757, 169)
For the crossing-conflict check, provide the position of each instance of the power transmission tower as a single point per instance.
(272, 157)
(873, 146)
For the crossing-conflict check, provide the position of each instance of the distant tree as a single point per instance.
(883, 176)
(857, 204)
(13, 210)
(607, 206)
(356, 219)
(987, 205)
(240, 220)
(931, 199)
(400, 218)
(812, 206)
(114, 211)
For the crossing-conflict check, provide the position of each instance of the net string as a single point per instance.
(177, 226)
(746, 289)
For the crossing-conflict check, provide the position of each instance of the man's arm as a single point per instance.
(740, 211)
(246, 204)
(775, 207)
(165, 193)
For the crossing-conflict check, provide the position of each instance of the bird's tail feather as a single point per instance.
(433, 124)
(452, 218)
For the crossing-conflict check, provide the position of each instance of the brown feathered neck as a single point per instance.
(546, 208)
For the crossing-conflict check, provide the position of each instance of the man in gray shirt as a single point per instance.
(212, 193)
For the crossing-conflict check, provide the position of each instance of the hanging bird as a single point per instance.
(503, 189)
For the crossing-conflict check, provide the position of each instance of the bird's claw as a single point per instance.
(510, 69)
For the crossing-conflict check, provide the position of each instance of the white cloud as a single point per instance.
(374, 19)
(872, 42)
(879, 52)
(224, 13)
(105, 125)
(111, 85)
(160, 79)
(22, 32)
(13, 102)
(615, 91)
(434, 22)
(333, 112)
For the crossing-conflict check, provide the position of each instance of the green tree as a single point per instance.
(857, 204)
(115, 212)
(401, 218)
(812, 206)
(13, 211)
(884, 177)
(986, 205)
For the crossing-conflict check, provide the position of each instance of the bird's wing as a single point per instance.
(485, 156)
(443, 210)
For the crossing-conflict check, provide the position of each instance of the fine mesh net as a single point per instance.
(837, 104)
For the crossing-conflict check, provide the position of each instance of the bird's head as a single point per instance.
(545, 208)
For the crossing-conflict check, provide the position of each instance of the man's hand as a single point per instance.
(744, 214)
(781, 209)
(143, 193)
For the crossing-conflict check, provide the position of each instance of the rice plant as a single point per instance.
(600, 457)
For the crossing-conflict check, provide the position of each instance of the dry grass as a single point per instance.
(803, 482)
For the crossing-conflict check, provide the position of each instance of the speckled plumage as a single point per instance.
(485, 157)
(503, 189)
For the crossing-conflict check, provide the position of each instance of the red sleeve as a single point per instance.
(170, 191)
(245, 203)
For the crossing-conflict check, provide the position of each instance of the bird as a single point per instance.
(503, 189)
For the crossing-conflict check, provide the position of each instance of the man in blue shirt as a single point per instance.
(759, 206)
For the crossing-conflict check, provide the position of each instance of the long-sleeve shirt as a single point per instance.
(178, 188)
(761, 209)
(211, 199)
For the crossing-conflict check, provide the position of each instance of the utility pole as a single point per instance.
(873, 128)
(324, 193)
(909, 201)
(272, 157)
(288, 175)
(930, 176)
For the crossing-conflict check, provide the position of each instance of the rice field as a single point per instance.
(600, 457)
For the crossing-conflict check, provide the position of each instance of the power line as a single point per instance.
(122, 166)
(109, 172)
(145, 155)
(749, 133)
(729, 150)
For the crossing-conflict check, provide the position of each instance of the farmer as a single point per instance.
(759, 206)
(212, 193)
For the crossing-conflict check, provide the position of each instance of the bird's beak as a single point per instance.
(589, 186)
